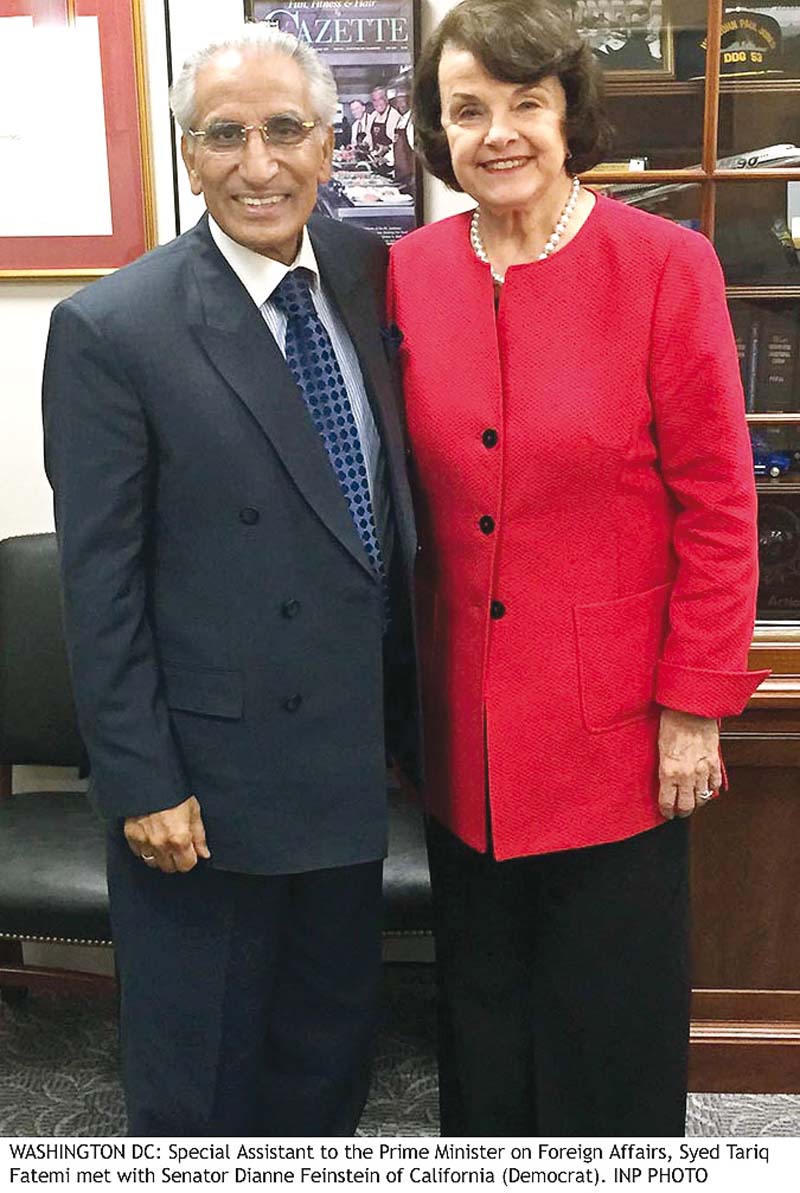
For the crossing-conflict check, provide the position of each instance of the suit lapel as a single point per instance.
(234, 336)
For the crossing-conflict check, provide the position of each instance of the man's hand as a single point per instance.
(688, 762)
(171, 840)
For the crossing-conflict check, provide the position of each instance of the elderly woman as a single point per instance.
(586, 587)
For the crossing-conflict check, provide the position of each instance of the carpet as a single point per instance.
(59, 1075)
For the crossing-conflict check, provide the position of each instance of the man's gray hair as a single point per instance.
(258, 37)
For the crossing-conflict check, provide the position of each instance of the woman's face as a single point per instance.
(506, 140)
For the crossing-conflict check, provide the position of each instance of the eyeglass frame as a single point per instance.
(308, 125)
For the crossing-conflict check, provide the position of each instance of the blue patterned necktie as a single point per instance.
(312, 360)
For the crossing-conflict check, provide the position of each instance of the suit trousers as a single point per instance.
(249, 1002)
(563, 987)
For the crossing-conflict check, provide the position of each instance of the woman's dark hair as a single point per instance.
(516, 41)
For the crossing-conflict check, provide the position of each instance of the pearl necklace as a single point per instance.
(553, 240)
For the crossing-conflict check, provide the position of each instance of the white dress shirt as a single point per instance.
(260, 277)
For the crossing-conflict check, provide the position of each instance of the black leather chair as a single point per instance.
(406, 882)
(52, 870)
(52, 858)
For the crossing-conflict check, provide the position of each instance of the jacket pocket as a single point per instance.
(210, 693)
(619, 644)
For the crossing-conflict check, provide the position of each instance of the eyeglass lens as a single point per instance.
(283, 129)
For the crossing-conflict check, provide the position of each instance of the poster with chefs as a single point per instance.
(369, 45)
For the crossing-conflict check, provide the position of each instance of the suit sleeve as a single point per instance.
(706, 462)
(99, 462)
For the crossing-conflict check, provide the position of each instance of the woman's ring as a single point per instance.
(704, 795)
(147, 857)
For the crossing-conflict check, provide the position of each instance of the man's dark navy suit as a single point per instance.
(224, 628)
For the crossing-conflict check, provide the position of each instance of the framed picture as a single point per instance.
(633, 39)
(76, 199)
(370, 47)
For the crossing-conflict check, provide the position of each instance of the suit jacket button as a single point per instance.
(489, 437)
(249, 515)
(486, 524)
(290, 608)
(497, 610)
(293, 703)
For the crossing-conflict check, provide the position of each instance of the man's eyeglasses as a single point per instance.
(228, 136)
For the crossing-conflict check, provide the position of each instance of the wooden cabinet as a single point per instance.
(707, 133)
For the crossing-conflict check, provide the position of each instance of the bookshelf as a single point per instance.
(688, 129)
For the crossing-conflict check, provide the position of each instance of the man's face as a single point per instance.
(260, 194)
(379, 100)
(357, 109)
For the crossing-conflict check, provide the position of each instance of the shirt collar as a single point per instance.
(261, 275)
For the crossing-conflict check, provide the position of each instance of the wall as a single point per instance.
(25, 505)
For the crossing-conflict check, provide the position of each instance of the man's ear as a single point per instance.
(326, 165)
(188, 154)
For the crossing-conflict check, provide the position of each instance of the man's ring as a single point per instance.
(704, 795)
(147, 857)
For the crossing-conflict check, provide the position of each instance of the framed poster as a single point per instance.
(72, 110)
(370, 46)
(632, 39)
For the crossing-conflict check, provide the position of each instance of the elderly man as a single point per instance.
(381, 123)
(237, 544)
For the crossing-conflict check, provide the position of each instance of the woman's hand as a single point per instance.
(689, 762)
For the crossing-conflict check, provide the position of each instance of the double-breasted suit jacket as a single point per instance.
(586, 515)
(223, 622)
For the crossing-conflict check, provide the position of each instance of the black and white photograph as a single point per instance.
(629, 37)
